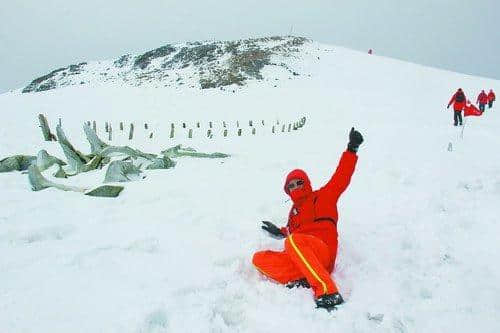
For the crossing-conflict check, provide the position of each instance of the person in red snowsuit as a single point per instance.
(482, 100)
(491, 98)
(458, 99)
(311, 233)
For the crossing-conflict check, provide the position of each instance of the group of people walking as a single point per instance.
(483, 99)
(460, 102)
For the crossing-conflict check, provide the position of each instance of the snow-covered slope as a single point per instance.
(418, 224)
(208, 64)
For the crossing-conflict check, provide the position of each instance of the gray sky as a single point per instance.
(39, 36)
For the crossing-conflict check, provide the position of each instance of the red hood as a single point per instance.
(306, 190)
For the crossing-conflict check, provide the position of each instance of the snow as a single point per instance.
(418, 224)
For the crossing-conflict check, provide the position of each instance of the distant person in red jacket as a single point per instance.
(311, 233)
(458, 100)
(482, 100)
(491, 98)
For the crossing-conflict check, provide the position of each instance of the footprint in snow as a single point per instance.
(399, 326)
(148, 245)
(375, 317)
(58, 232)
(155, 322)
(471, 186)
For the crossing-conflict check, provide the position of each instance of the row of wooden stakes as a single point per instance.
(276, 127)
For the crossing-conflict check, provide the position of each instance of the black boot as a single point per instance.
(298, 283)
(329, 301)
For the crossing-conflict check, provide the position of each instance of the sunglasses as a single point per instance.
(293, 184)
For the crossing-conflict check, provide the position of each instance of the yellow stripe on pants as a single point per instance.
(307, 264)
(262, 271)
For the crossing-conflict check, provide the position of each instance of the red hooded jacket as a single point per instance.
(457, 105)
(491, 96)
(315, 212)
(482, 98)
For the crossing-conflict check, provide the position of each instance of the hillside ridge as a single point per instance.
(208, 64)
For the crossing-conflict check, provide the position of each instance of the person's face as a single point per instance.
(295, 184)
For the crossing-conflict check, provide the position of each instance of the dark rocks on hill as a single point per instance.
(213, 64)
(76, 69)
(122, 61)
(144, 60)
(36, 82)
(250, 62)
(221, 78)
(48, 81)
(193, 55)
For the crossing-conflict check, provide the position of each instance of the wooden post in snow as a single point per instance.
(121, 125)
(110, 135)
(253, 130)
(210, 124)
(239, 131)
(151, 135)
(131, 132)
(225, 132)
(283, 128)
(171, 130)
(145, 126)
(190, 134)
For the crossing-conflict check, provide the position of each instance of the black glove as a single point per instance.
(355, 139)
(448, 107)
(272, 229)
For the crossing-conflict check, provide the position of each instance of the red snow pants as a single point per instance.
(305, 256)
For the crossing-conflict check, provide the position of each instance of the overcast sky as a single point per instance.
(39, 36)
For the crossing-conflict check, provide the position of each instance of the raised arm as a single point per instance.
(342, 175)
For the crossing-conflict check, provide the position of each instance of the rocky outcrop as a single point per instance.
(204, 65)
(51, 80)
